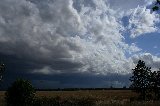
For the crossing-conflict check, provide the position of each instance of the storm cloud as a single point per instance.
(55, 37)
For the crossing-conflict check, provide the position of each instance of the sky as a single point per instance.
(77, 43)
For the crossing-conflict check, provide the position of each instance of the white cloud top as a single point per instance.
(142, 21)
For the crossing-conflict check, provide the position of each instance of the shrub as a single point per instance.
(21, 93)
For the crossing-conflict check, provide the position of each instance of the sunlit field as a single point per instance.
(99, 97)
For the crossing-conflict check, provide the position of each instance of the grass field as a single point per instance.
(2, 93)
(98, 94)
(101, 97)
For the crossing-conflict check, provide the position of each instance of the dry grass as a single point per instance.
(2, 95)
(98, 94)
(101, 97)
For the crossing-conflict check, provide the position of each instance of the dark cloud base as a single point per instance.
(68, 80)
(18, 68)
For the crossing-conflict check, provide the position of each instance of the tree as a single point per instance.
(140, 79)
(2, 68)
(155, 84)
(156, 6)
(157, 92)
(21, 93)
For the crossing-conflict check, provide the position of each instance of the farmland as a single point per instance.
(100, 97)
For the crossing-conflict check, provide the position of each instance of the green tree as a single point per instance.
(155, 84)
(157, 92)
(21, 93)
(140, 79)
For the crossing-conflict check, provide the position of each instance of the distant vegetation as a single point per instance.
(2, 68)
(82, 89)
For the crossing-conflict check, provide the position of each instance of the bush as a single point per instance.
(21, 93)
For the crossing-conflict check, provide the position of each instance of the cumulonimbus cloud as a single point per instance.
(66, 36)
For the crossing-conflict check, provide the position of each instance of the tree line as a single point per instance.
(2, 68)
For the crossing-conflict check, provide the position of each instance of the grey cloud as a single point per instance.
(64, 36)
(127, 4)
(24, 33)
(74, 80)
(57, 41)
